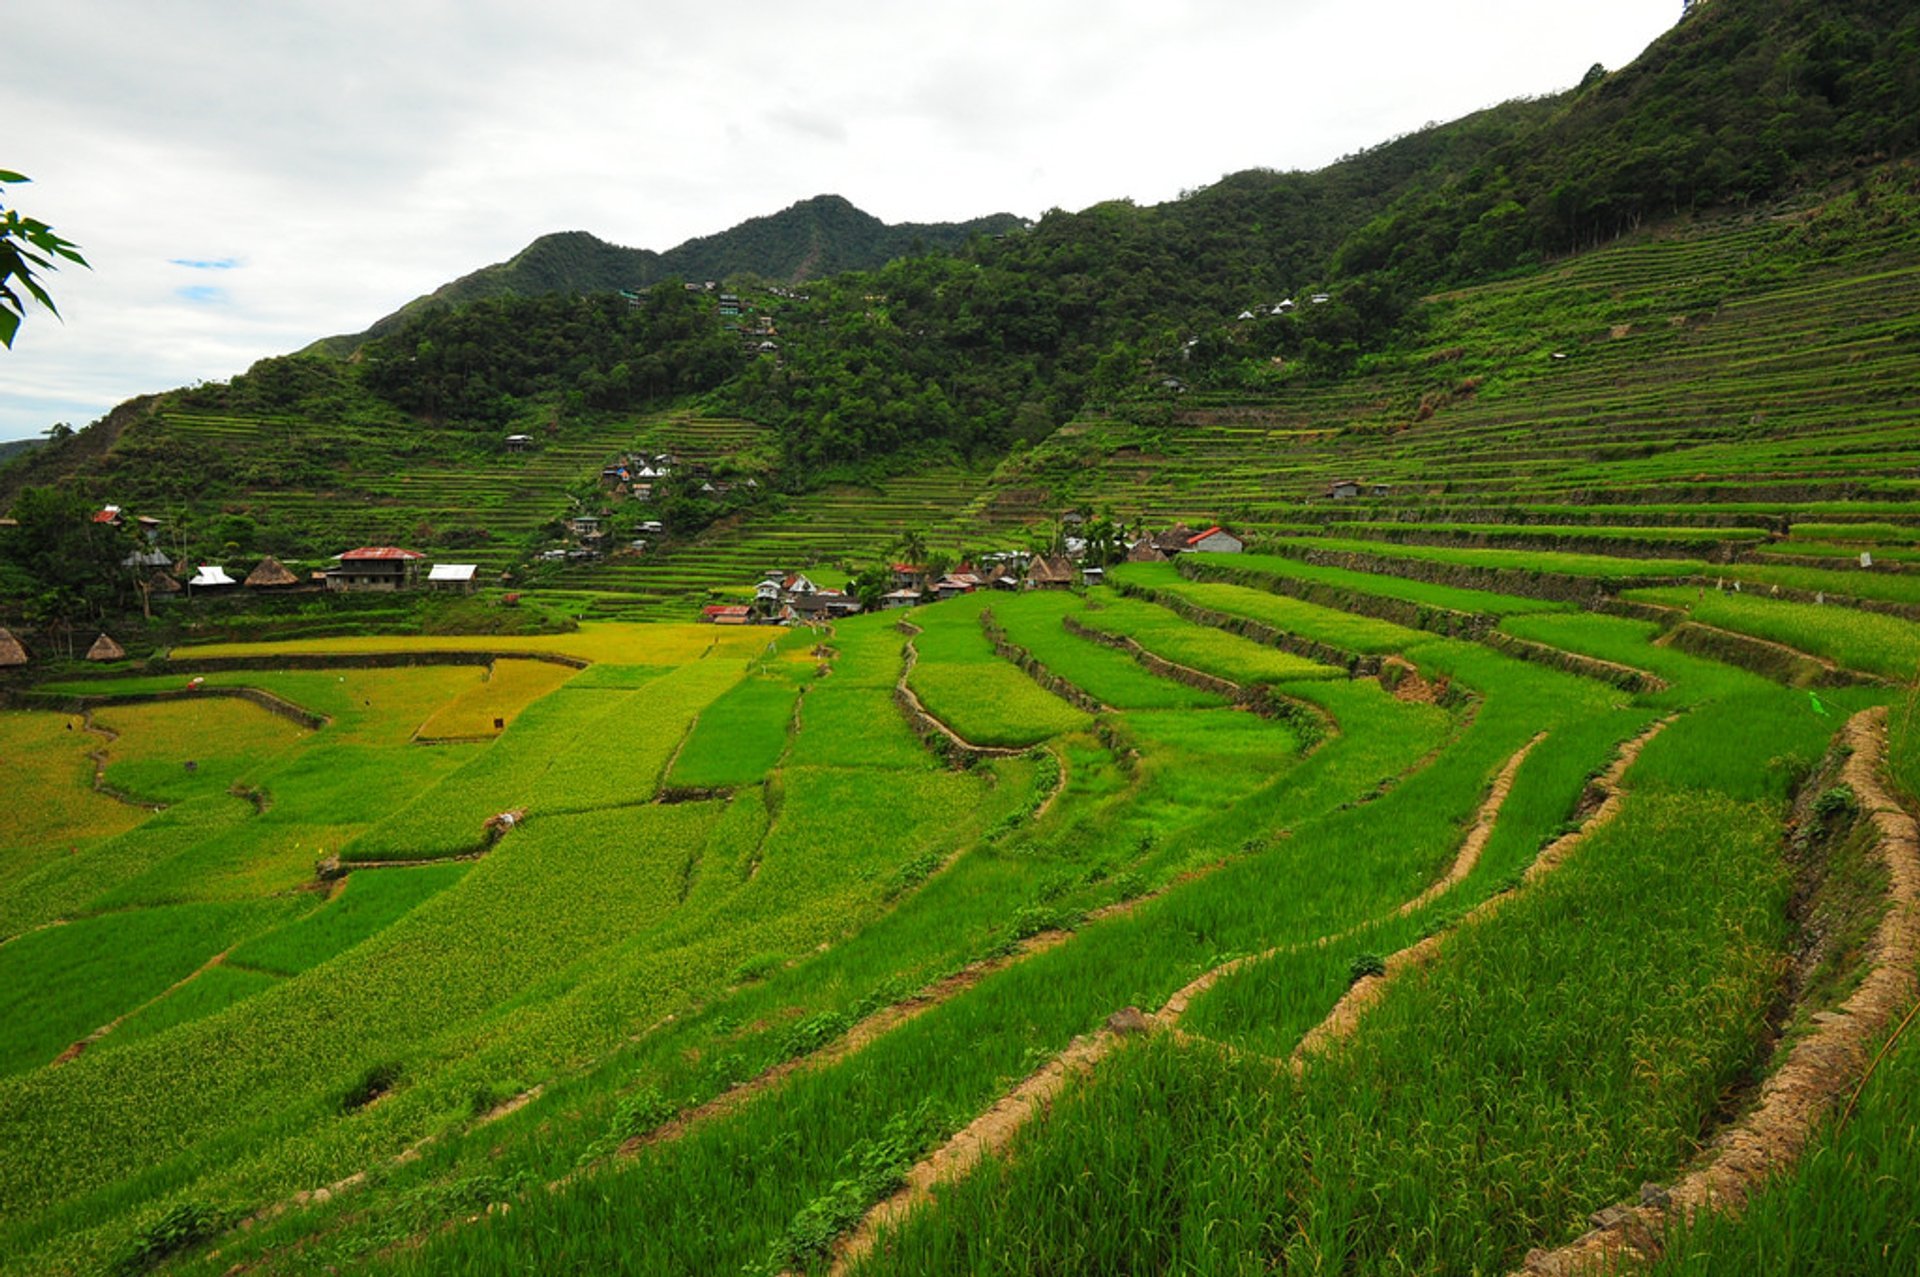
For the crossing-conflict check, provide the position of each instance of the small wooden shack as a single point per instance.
(11, 653)
(456, 578)
(105, 649)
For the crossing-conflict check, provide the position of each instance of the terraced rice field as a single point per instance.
(742, 916)
(1470, 863)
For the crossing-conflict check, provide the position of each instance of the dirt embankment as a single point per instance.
(1414, 616)
(1818, 1070)
(1034, 668)
(936, 735)
(1776, 661)
(994, 1129)
(1356, 664)
(1559, 587)
(1625, 677)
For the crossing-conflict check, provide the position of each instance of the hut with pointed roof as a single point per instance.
(11, 653)
(164, 583)
(1145, 551)
(270, 575)
(105, 649)
(1050, 572)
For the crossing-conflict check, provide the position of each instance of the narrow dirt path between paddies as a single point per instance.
(994, 1129)
(1819, 1069)
(1476, 839)
(100, 759)
(1341, 1022)
(1153, 662)
(74, 1051)
(1059, 784)
(904, 696)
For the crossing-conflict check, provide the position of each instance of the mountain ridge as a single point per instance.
(822, 235)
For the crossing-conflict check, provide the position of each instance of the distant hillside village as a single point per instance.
(134, 550)
(794, 598)
(159, 576)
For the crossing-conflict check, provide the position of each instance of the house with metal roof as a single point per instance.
(376, 567)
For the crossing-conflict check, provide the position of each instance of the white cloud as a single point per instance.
(247, 178)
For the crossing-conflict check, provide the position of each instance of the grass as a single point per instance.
(485, 709)
(1292, 616)
(1863, 641)
(53, 806)
(961, 682)
(1223, 655)
(1034, 621)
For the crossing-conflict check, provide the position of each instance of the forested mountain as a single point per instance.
(815, 237)
(977, 342)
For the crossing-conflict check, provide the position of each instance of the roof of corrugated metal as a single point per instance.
(381, 552)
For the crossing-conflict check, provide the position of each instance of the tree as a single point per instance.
(68, 566)
(26, 243)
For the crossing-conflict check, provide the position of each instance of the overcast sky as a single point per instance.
(247, 177)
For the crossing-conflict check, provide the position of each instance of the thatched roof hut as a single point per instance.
(11, 653)
(162, 583)
(1145, 551)
(269, 574)
(105, 649)
(1050, 572)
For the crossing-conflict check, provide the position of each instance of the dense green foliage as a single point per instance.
(821, 236)
(471, 367)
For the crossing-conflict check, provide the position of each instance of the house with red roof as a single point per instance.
(1216, 540)
(376, 567)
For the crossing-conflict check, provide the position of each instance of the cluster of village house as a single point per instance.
(636, 476)
(371, 567)
(792, 598)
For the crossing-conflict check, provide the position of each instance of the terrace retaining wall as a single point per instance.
(933, 733)
(1793, 594)
(1254, 698)
(76, 703)
(1712, 549)
(1624, 677)
(1558, 587)
(1356, 665)
(1430, 617)
(1771, 660)
(1033, 667)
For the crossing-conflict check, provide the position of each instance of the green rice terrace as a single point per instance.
(1400, 908)
(1504, 863)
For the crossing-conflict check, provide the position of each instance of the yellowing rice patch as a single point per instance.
(611, 642)
(50, 804)
(485, 709)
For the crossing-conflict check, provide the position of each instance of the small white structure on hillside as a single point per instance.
(454, 577)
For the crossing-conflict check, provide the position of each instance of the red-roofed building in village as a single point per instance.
(376, 567)
(1216, 540)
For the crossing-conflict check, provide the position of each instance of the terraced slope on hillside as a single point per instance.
(783, 928)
